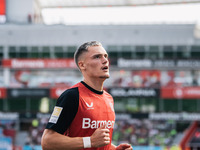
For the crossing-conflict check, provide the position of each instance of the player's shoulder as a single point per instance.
(72, 91)
(107, 94)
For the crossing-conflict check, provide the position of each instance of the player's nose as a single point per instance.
(104, 60)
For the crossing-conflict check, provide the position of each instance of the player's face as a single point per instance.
(96, 62)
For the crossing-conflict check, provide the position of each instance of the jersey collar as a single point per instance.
(91, 89)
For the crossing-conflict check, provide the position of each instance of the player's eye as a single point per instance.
(106, 56)
(97, 56)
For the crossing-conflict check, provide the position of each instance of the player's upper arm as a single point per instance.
(64, 111)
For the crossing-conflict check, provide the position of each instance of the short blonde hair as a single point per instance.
(84, 48)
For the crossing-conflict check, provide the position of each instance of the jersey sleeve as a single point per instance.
(64, 111)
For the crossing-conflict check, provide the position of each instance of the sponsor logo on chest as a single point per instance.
(94, 124)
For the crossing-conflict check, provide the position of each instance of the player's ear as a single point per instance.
(81, 65)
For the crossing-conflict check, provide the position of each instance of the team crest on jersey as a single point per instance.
(55, 115)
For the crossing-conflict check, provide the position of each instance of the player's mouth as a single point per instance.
(105, 68)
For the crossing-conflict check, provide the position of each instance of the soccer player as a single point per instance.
(84, 116)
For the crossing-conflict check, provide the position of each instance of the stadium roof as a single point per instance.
(99, 3)
(154, 14)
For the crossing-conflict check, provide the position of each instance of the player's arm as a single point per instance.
(61, 118)
(123, 146)
(52, 140)
(113, 147)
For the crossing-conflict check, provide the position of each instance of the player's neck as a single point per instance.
(95, 84)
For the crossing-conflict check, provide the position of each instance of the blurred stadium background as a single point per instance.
(154, 50)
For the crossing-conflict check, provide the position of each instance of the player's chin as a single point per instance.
(105, 76)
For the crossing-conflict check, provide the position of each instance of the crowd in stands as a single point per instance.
(36, 130)
(122, 78)
(7, 133)
(144, 132)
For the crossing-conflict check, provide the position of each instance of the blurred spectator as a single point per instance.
(36, 131)
(144, 132)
